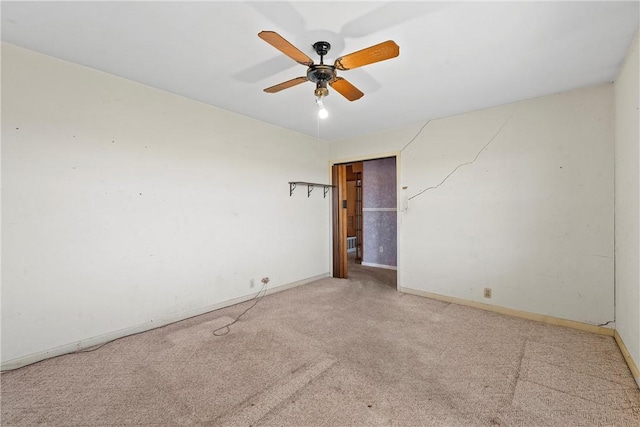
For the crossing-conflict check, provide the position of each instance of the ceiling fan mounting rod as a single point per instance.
(321, 74)
(322, 48)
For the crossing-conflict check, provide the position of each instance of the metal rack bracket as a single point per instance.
(310, 187)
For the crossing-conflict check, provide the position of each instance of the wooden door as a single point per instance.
(339, 179)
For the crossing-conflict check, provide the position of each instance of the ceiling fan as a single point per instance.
(322, 74)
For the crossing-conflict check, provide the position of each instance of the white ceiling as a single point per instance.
(454, 56)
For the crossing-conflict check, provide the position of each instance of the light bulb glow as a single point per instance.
(322, 112)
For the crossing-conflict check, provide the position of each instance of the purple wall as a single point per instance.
(380, 227)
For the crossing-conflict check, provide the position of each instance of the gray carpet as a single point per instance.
(335, 352)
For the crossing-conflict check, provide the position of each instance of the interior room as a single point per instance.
(172, 198)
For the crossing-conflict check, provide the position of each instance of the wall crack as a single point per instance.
(605, 324)
(508, 119)
(416, 135)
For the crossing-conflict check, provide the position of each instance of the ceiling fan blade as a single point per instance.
(277, 41)
(285, 85)
(376, 53)
(346, 89)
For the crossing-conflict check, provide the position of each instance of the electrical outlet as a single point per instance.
(381, 249)
(487, 292)
(265, 280)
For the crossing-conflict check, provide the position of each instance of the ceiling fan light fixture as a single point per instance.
(321, 89)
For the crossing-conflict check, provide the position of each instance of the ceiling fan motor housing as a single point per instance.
(321, 75)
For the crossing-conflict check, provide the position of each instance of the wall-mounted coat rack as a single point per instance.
(310, 187)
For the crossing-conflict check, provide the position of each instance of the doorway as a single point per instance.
(365, 221)
(354, 211)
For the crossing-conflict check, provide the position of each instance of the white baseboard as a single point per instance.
(388, 267)
(110, 336)
(573, 324)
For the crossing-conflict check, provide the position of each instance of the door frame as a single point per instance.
(400, 190)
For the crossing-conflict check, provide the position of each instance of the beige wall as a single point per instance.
(125, 206)
(113, 190)
(531, 217)
(627, 204)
